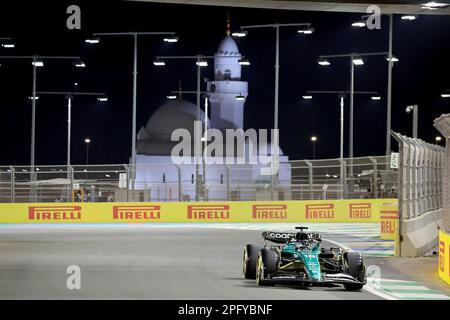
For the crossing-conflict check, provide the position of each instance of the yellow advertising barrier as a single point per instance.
(444, 256)
(366, 210)
(389, 221)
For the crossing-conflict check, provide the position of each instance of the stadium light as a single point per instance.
(80, 64)
(308, 30)
(171, 39)
(359, 24)
(201, 63)
(92, 40)
(9, 45)
(358, 61)
(244, 62)
(432, 5)
(159, 63)
(409, 17)
(38, 63)
(393, 59)
(239, 34)
(324, 62)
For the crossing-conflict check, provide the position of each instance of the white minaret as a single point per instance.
(226, 111)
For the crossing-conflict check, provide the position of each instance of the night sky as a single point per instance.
(421, 75)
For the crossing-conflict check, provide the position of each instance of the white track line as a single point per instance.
(376, 290)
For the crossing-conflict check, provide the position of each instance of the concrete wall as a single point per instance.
(420, 234)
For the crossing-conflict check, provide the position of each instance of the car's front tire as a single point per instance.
(267, 264)
(354, 266)
(250, 260)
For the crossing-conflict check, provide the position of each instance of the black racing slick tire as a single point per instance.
(354, 266)
(250, 259)
(267, 264)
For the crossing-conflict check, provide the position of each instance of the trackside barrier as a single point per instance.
(444, 256)
(443, 125)
(389, 223)
(227, 211)
(421, 168)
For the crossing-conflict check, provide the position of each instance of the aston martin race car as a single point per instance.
(298, 257)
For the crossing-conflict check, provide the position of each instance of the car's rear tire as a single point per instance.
(354, 266)
(267, 264)
(250, 259)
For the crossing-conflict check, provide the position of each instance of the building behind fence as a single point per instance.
(372, 177)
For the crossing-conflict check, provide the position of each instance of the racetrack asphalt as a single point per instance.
(141, 263)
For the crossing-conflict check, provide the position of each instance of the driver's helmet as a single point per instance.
(301, 236)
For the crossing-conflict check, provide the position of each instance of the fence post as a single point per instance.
(402, 186)
(13, 184)
(410, 213)
(128, 181)
(427, 167)
(441, 172)
(72, 180)
(180, 196)
(375, 177)
(310, 178)
(228, 182)
(342, 174)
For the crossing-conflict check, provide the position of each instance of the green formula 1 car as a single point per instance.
(298, 257)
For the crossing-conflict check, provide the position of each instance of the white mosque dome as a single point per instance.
(172, 115)
(228, 47)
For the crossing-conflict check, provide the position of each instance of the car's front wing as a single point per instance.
(326, 278)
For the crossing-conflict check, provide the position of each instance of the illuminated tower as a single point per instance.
(227, 112)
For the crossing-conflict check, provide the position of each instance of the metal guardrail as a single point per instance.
(297, 180)
(421, 168)
(443, 125)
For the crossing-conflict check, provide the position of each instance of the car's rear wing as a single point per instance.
(278, 237)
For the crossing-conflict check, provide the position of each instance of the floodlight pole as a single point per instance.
(389, 86)
(341, 143)
(415, 121)
(277, 26)
(135, 62)
(34, 59)
(69, 127)
(198, 58)
(415, 109)
(33, 117)
(69, 96)
(389, 92)
(341, 95)
(352, 91)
